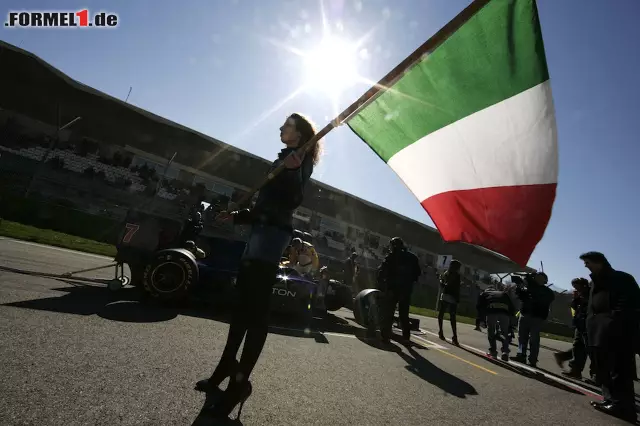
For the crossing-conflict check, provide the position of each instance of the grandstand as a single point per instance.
(122, 153)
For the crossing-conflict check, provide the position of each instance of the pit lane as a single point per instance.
(74, 355)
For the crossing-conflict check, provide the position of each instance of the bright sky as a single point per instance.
(222, 67)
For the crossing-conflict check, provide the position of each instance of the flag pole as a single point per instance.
(395, 74)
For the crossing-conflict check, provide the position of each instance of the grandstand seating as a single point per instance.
(78, 164)
(333, 246)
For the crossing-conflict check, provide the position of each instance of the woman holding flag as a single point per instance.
(271, 232)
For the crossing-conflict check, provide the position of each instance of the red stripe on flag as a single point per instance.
(509, 220)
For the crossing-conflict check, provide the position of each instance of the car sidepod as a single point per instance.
(293, 295)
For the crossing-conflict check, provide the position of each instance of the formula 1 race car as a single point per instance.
(167, 268)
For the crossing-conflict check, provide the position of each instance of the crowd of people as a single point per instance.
(605, 318)
(606, 323)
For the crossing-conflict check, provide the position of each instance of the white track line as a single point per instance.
(568, 383)
(97, 256)
(430, 344)
(329, 333)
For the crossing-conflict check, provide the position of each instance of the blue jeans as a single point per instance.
(266, 243)
(529, 335)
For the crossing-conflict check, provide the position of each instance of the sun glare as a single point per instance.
(331, 67)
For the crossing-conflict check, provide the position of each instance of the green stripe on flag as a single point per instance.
(497, 54)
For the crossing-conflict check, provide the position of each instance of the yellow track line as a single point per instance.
(456, 357)
(468, 362)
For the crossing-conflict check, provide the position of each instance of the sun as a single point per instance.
(331, 67)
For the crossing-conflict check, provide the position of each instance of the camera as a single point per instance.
(523, 280)
(517, 280)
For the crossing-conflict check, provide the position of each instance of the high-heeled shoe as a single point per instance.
(236, 393)
(221, 372)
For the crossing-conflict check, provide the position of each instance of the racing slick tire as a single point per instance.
(366, 309)
(170, 274)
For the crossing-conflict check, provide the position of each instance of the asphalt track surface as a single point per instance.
(75, 354)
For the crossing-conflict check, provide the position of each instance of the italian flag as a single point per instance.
(470, 129)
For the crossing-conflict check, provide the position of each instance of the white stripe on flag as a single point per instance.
(511, 143)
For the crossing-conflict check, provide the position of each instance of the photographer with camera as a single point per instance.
(577, 356)
(495, 306)
(536, 300)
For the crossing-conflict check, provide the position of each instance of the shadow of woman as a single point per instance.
(131, 311)
(422, 368)
(203, 419)
(376, 343)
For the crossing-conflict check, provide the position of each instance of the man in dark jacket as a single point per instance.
(612, 321)
(496, 306)
(349, 273)
(396, 275)
(578, 354)
(536, 300)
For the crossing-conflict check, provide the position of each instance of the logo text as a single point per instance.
(60, 19)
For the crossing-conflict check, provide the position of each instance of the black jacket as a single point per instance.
(399, 270)
(612, 316)
(450, 284)
(278, 199)
(493, 301)
(580, 304)
(536, 300)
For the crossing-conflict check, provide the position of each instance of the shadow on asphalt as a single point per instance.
(126, 306)
(525, 372)
(587, 385)
(376, 343)
(422, 368)
(204, 420)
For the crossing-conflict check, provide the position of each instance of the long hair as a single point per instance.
(308, 130)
